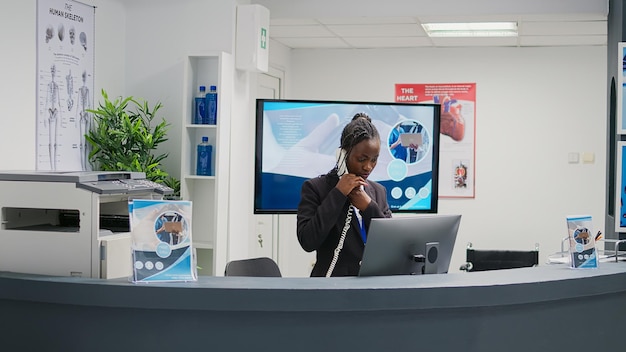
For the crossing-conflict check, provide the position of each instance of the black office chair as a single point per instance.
(483, 260)
(258, 267)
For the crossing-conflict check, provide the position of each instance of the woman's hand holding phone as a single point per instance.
(359, 198)
(348, 182)
(352, 186)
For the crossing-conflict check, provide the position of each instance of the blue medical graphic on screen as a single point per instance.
(297, 140)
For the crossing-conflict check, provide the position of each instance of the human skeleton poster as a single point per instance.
(65, 81)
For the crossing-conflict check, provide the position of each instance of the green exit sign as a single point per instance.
(263, 38)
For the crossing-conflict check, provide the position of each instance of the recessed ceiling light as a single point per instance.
(472, 29)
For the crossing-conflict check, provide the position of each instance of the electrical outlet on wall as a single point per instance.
(588, 157)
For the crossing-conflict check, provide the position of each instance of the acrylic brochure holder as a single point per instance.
(161, 241)
(582, 242)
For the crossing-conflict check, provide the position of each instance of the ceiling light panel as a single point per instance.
(471, 29)
(474, 42)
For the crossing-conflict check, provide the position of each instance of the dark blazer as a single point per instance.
(321, 217)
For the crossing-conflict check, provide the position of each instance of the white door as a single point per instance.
(275, 235)
(268, 85)
(263, 242)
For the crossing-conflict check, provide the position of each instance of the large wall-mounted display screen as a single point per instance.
(297, 140)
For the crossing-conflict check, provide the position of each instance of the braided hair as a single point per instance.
(359, 129)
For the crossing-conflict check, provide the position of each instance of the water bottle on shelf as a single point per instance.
(211, 103)
(203, 156)
(199, 108)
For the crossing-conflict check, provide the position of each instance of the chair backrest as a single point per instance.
(482, 260)
(258, 267)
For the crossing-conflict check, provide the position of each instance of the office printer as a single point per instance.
(70, 223)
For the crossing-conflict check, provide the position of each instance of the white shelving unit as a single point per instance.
(209, 194)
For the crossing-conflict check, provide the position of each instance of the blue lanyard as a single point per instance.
(361, 226)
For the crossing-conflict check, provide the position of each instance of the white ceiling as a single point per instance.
(396, 23)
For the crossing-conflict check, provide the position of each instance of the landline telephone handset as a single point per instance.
(342, 167)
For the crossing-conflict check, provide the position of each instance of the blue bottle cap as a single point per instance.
(213, 88)
(202, 88)
(205, 139)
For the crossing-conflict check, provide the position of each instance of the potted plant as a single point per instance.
(125, 137)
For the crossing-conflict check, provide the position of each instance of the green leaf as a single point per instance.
(122, 137)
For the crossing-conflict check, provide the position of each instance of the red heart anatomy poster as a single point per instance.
(457, 131)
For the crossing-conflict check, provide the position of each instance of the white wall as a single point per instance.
(534, 106)
(18, 93)
(159, 36)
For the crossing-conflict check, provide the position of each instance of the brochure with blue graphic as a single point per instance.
(161, 240)
(582, 244)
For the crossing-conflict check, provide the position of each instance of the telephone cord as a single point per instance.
(346, 227)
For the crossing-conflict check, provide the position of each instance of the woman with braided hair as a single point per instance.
(335, 209)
